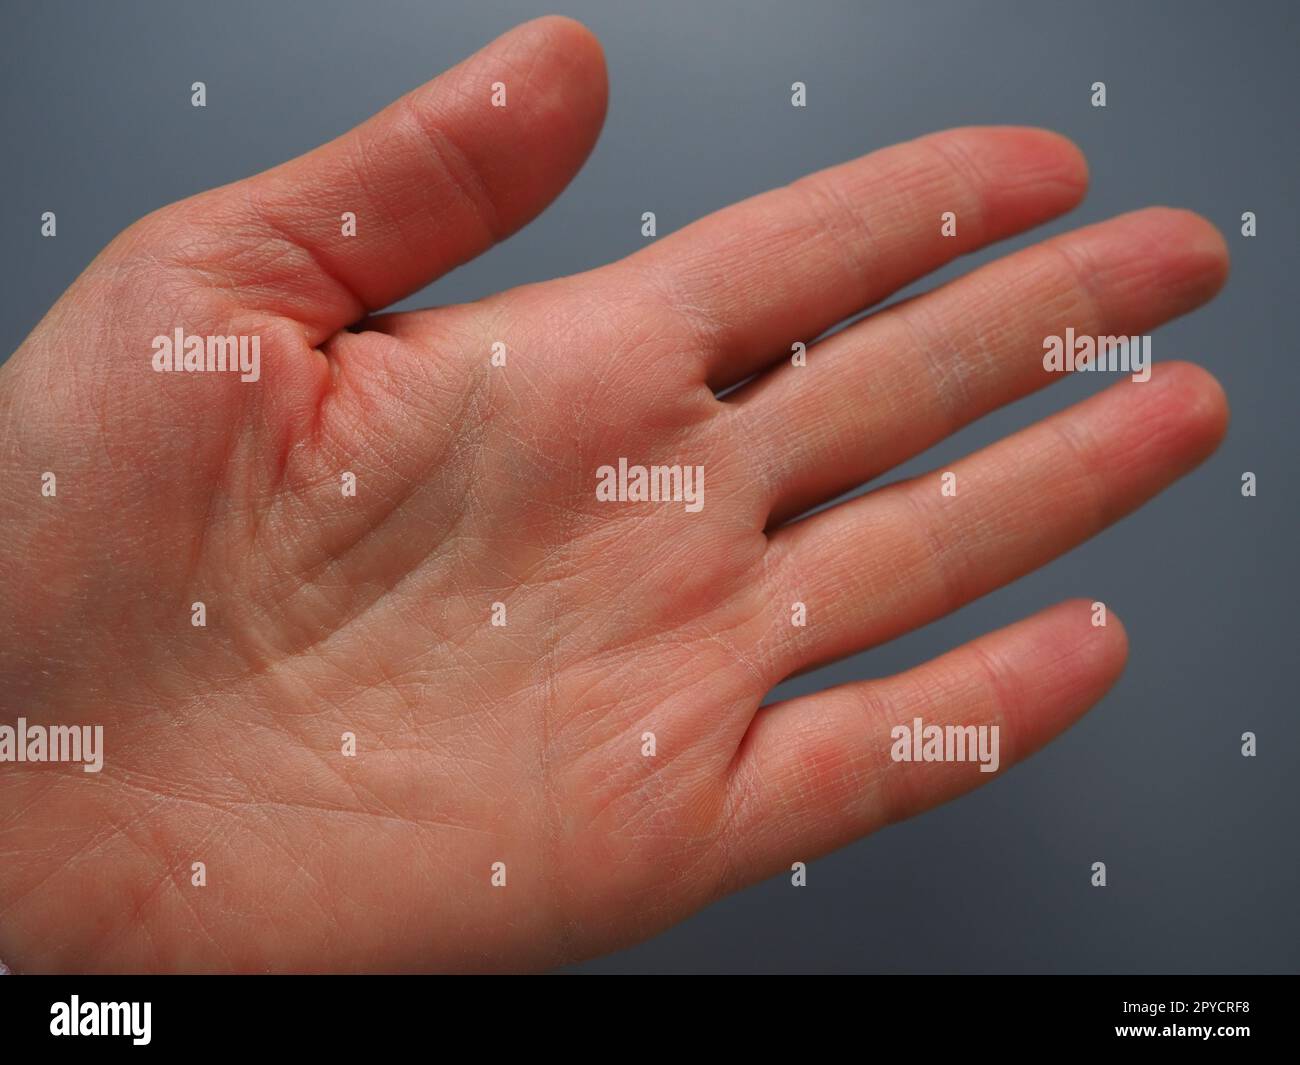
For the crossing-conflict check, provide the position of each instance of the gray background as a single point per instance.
(1200, 843)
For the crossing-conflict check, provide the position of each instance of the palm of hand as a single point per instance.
(553, 700)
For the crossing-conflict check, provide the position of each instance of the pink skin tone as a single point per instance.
(371, 614)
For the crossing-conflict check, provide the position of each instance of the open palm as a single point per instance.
(450, 707)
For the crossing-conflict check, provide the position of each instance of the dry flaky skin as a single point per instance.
(522, 743)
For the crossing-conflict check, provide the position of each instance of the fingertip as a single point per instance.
(575, 47)
(1205, 243)
(563, 26)
(1053, 667)
(1104, 630)
(1093, 626)
(565, 87)
(1070, 164)
(1024, 175)
(576, 35)
(1029, 156)
(1192, 246)
(1200, 402)
(1117, 632)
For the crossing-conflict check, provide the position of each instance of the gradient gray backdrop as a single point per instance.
(1200, 843)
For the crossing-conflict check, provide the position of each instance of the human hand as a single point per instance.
(476, 502)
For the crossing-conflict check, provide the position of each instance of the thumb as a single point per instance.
(433, 180)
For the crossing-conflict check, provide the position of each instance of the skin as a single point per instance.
(371, 614)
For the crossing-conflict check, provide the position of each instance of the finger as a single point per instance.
(788, 264)
(886, 389)
(434, 179)
(817, 772)
(882, 564)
